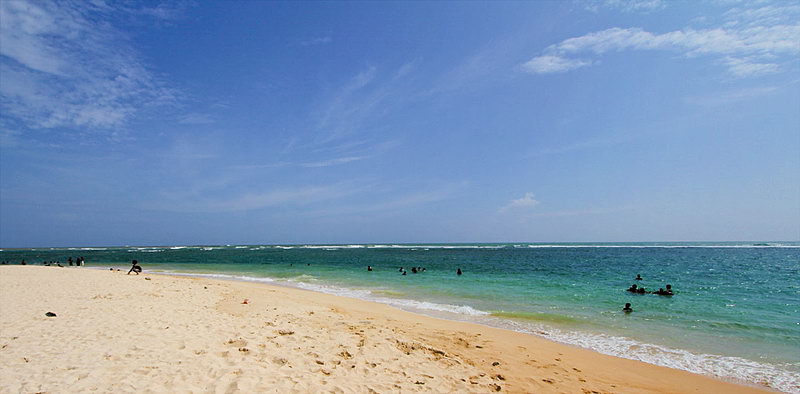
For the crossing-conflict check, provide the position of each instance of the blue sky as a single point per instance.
(333, 122)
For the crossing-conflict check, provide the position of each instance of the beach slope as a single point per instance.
(159, 333)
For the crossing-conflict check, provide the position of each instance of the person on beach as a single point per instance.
(638, 276)
(135, 267)
(627, 308)
(458, 272)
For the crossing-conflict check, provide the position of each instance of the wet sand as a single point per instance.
(157, 333)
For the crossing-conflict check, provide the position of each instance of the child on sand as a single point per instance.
(135, 267)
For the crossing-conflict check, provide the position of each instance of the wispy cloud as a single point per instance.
(749, 44)
(282, 197)
(195, 118)
(332, 162)
(730, 96)
(581, 212)
(525, 202)
(65, 64)
(547, 64)
(317, 41)
(357, 106)
(390, 205)
(311, 164)
(9, 138)
(626, 5)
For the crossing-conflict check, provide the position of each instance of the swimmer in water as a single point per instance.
(627, 308)
(638, 276)
(369, 268)
(669, 290)
(458, 272)
(632, 289)
(641, 290)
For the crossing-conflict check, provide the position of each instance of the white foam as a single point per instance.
(400, 303)
(146, 250)
(224, 276)
(725, 367)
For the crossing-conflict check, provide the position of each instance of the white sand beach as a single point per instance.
(157, 333)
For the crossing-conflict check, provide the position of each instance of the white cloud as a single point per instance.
(546, 64)
(527, 201)
(747, 67)
(750, 44)
(64, 65)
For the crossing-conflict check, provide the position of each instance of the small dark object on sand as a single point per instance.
(146, 278)
(50, 314)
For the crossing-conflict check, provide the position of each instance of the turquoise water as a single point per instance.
(734, 314)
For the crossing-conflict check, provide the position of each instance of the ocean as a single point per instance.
(735, 313)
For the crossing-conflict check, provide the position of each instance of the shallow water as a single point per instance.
(735, 312)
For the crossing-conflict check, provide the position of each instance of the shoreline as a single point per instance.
(645, 352)
(410, 351)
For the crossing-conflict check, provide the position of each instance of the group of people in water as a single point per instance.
(636, 289)
(78, 262)
(402, 271)
(661, 291)
(414, 270)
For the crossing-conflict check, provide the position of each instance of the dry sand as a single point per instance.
(158, 333)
